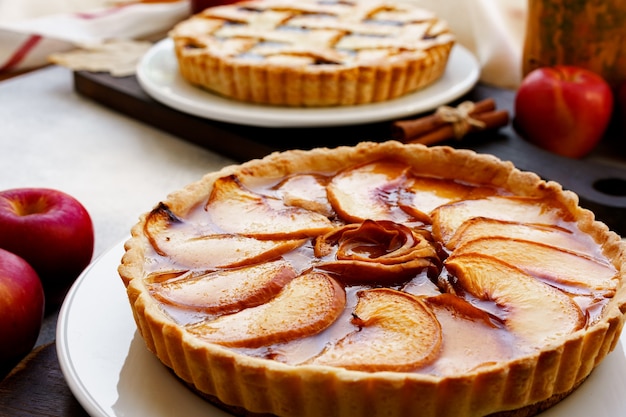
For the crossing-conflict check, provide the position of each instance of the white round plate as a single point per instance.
(158, 75)
(112, 374)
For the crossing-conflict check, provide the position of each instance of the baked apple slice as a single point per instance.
(572, 271)
(371, 191)
(449, 217)
(307, 305)
(307, 191)
(226, 291)
(533, 311)
(462, 308)
(426, 194)
(386, 318)
(473, 337)
(235, 209)
(191, 248)
(548, 234)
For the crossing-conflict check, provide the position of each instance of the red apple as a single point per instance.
(52, 231)
(563, 109)
(21, 309)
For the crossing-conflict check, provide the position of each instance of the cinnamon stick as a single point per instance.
(407, 129)
(491, 119)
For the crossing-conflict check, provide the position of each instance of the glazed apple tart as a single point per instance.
(313, 52)
(377, 280)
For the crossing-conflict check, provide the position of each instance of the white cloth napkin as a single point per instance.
(31, 30)
(493, 30)
(27, 38)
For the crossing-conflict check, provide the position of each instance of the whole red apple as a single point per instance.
(563, 109)
(21, 309)
(52, 231)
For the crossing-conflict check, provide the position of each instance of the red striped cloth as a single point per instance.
(26, 44)
(20, 53)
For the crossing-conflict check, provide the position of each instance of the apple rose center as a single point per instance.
(376, 252)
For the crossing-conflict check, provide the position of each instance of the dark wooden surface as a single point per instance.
(599, 179)
(36, 387)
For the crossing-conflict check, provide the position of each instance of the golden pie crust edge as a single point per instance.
(311, 85)
(315, 87)
(266, 386)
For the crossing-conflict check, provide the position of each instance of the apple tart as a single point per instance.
(313, 52)
(376, 280)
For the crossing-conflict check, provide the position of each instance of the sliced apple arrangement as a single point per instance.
(376, 268)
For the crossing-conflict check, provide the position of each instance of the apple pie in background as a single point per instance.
(376, 280)
(309, 53)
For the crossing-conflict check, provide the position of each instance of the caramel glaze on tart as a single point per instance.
(313, 52)
(381, 279)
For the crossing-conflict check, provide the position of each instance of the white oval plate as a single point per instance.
(112, 374)
(158, 75)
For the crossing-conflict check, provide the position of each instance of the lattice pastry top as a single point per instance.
(314, 32)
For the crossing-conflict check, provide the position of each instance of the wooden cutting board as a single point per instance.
(599, 180)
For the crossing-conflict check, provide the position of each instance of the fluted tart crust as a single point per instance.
(311, 53)
(377, 280)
